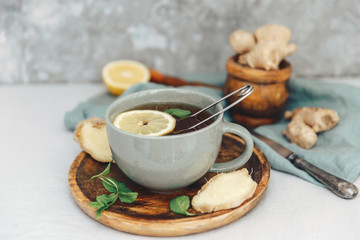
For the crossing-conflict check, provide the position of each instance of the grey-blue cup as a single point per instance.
(168, 163)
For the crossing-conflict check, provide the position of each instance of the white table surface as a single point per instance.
(36, 151)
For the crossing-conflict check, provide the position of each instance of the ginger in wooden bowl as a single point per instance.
(260, 61)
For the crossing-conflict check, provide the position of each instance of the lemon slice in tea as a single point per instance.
(145, 122)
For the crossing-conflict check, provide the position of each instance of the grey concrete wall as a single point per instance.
(69, 41)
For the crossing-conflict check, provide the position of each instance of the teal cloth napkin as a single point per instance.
(336, 151)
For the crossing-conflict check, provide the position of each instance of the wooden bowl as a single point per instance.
(271, 91)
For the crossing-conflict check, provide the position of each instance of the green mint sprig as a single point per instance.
(180, 205)
(177, 112)
(118, 191)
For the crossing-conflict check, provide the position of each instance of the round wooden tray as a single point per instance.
(150, 214)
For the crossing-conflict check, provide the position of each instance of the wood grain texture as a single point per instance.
(160, 78)
(150, 214)
(271, 91)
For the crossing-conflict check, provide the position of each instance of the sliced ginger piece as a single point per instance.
(91, 135)
(306, 122)
(224, 191)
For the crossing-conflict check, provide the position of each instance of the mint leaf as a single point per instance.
(121, 186)
(104, 199)
(110, 184)
(114, 186)
(99, 211)
(177, 112)
(105, 172)
(94, 205)
(118, 191)
(128, 197)
(180, 205)
(103, 202)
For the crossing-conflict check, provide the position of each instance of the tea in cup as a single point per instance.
(173, 161)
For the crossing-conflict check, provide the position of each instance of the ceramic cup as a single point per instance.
(169, 163)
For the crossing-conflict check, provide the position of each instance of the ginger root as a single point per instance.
(91, 135)
(225, 190)
(306, 122)
(242, 41)
(264, 49)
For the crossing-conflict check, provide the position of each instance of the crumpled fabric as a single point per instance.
(337, 151)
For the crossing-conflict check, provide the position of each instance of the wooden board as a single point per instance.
(150, 214)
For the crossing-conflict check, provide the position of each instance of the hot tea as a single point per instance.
(169, 163)
(183, 123)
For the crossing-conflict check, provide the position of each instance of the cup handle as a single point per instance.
(244, 157)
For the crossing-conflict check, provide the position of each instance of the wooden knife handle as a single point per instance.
(158, 77)
(339, 186)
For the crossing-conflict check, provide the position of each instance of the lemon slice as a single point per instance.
(145, 122)
(120, 75)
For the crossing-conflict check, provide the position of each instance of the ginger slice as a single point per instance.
(306, 122)
(224, 191)
(91, 135)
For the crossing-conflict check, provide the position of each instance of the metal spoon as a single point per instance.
(243, 93)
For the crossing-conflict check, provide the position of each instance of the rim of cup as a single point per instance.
(113, 105)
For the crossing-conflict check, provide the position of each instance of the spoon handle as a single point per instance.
(243, 90)
(243, 93)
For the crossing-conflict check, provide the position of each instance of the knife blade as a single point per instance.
(339, 186)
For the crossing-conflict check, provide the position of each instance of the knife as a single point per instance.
(339, 186)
